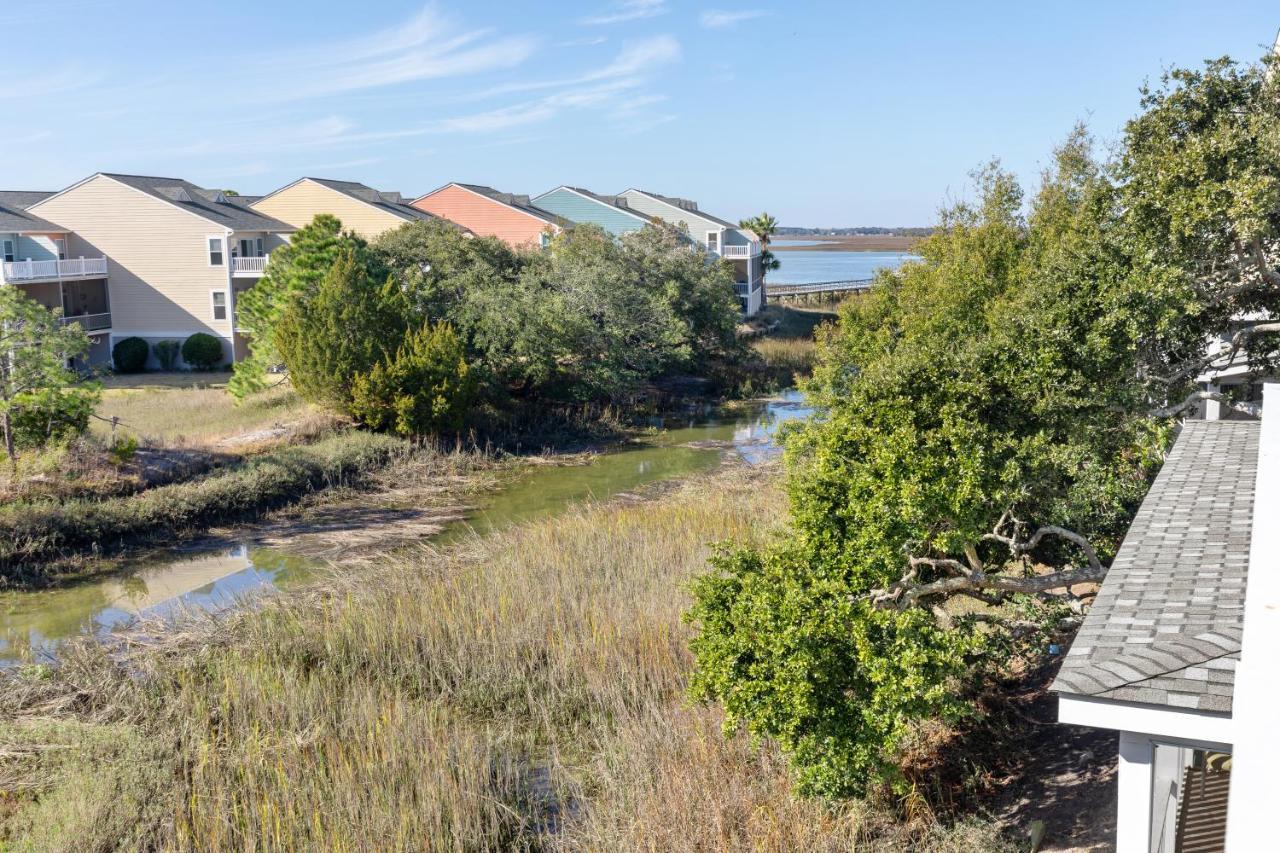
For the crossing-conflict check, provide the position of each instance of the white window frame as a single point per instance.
(713, 241)
(10, 250)
(213, 305)
(60, 247)
(209, 250)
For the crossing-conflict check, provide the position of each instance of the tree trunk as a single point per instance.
(8, 441)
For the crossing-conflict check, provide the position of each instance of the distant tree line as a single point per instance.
(867, 230)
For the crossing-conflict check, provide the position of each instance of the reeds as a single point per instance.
(520, 691)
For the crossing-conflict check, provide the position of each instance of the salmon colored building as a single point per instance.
(488, 213)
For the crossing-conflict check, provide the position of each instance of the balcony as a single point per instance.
(52, 270)
(750, 250)
(252, 267)
(89, 322)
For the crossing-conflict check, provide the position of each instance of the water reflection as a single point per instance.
(32, 624)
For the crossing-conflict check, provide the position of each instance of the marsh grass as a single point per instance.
(525, 690)
(194, 409)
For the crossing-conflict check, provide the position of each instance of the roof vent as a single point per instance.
(393, 198)
(175, 193)
(522, 199)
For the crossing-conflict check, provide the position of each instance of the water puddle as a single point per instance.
(214, 577)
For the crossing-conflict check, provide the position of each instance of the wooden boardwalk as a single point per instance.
(784, 291)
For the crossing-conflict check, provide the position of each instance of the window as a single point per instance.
(215, 251)
(8, 250)
(60, 243)
(219, 304)
(258, 246)
(713, 241)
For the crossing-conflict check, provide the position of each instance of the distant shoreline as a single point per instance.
(848, 243)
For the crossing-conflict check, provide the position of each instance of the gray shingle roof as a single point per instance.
(23, 198)
(519, 202)
(1166, 626)
(391, 202)
(229, 211)
(691, 206)
(14, 216)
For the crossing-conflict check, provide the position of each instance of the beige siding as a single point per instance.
(157, 257)
(298, 205)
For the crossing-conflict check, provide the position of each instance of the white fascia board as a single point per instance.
(1257, 682)
(1181, 723)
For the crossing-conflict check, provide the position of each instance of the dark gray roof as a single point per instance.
(519, 202)
(23, 198)
(691, 206)
(1167, 623)
(391, 202)
(229, 211)
(14, 216)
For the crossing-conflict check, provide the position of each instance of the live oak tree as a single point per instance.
(39, 395)
(988, 420)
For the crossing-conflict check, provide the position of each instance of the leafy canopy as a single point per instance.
(990, 413)
(40, 398)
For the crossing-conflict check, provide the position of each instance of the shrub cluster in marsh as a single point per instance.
(522, 691)
(33, 533)
(786, 359)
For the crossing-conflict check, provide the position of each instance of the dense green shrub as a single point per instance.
(347, 324)
(130, 355)
(52, 415)
(40, 398)
(166, 353)
(295, 270)
(425, 388)
(35, 533)
(202, 351)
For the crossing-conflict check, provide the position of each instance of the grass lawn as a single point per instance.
(193, 409)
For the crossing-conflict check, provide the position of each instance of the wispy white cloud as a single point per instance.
(586, 41)
(627, 10)
(602, 96)
(427, 46)
(639, 57)
(64, 79)
(718, 19)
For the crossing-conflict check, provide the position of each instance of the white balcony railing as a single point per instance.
(54, 270)
(248, 266)
(733, 251)
(88, 322)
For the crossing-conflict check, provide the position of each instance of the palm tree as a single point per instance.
(764, 227)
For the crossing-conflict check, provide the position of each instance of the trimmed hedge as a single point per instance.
(32, 534)
(166, 353)
(202, 351)
(130, 355)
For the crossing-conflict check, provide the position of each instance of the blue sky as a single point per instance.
(823, 113)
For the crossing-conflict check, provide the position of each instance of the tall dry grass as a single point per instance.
(194, 409)
(522, 691)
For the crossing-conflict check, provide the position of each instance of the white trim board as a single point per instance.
(1186, 724)
(1257, 682)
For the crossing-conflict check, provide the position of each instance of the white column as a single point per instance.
(1212, 408)
(1133, 794)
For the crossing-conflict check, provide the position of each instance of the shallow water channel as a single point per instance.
(201, 577)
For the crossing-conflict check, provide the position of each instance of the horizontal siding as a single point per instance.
(484, 217)
(300, 203)
(582, 210)
(157, 256)
(692, 222)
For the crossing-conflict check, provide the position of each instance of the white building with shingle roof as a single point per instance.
(1181, 651)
